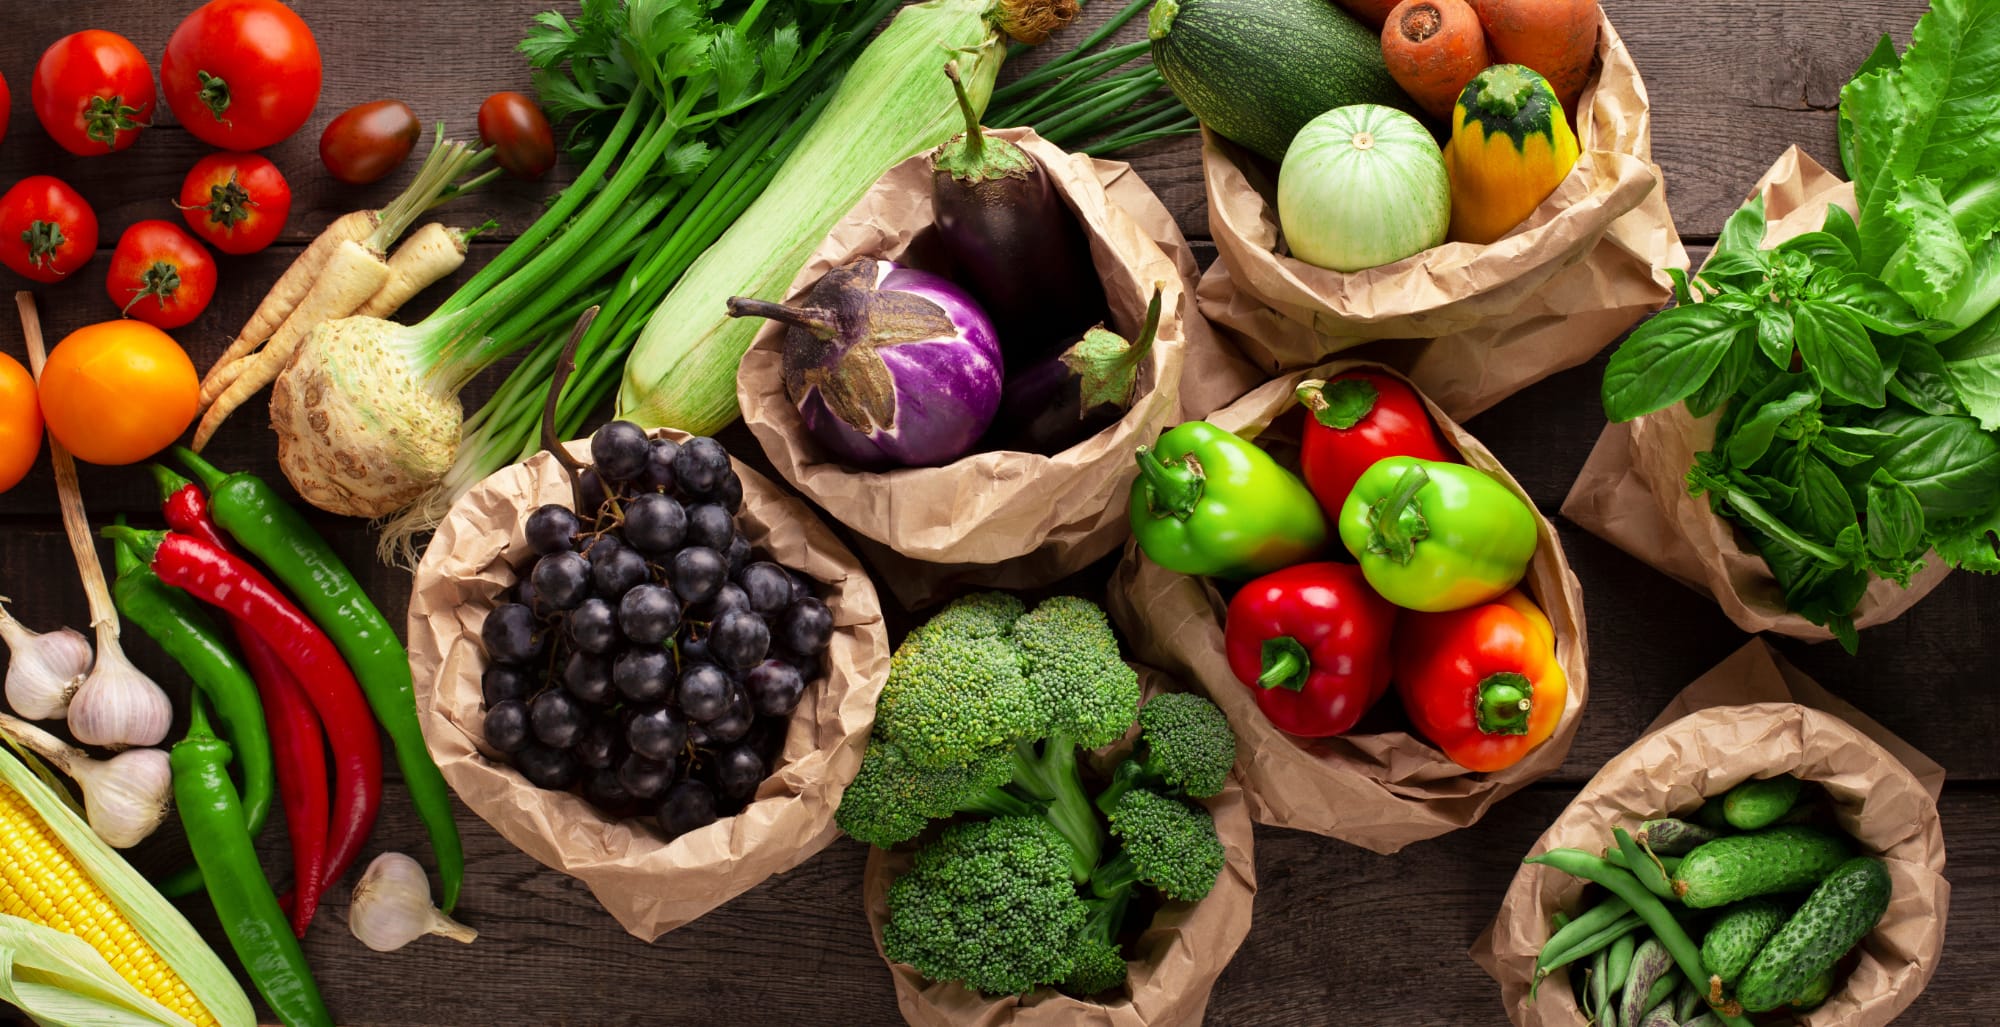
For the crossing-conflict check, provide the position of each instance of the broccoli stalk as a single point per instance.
(1099, 964)
(1051, 776)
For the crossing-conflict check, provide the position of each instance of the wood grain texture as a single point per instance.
(1342, 935)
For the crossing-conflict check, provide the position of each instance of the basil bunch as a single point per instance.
(1843, 449)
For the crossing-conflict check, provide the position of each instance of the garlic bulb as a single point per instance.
(118, 706)
(392, 906)
(43, 670)
(125, 798)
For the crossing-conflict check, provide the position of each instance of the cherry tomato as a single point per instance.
(160, 275)
(367, 141)
(238, 202)
(47, 231)
(93, 92)
(20, 422)
(117, 392)
(519, 133)
(241, 74)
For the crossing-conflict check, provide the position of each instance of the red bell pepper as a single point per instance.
(1482, 683)
(1311, 642)
(1354, 419)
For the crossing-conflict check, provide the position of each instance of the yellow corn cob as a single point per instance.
(42, 882)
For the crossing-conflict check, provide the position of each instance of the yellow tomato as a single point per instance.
(118, 392)
(20, 422)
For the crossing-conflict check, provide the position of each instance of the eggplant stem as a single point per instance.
(812, 319)
(975, 140)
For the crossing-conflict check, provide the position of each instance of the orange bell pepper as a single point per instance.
(1481, 683)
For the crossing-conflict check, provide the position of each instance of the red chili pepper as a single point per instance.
(1311, 642)
(296, 739)
(225, 582)
(1482, 683)
(1355, 419)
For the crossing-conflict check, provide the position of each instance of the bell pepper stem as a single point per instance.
(1339, 405)
(1396, 521)
(1505, 700)
(1176, 487)
(1286, 664)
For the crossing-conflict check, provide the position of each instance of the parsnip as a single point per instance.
(278, 304)
(429, 254)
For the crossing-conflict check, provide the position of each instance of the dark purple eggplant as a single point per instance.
(1081, 390)
(1016, 244)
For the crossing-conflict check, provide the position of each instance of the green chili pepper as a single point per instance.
(243, 900)
(176, 621)
(1208, 502)
(263, 523)
(1434, 536)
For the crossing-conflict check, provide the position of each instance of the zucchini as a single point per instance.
(1743, 866)
(1257, 70)
(1840, 912)
(1510, 147)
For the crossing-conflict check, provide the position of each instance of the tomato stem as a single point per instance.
(214, 94)
(228, 204)
(106, 116)
(43, 238)
(162, 280)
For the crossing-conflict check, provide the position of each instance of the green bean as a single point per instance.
(1687, 1002)
(1643, 865)
(1663, 989)
(1618, 968)
(1557, 922)
(1687, 955)
(1587, 923)
(1616, 857)
(1600, 996)
(1649, 963)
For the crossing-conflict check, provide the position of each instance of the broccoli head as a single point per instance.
(1100, 960)
(1185, 746)
(1166, 843)
(981, 904)
(979, 615)
(951, 697)
(1070, 655)
(892, 799)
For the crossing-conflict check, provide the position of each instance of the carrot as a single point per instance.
(286, 294)
(1372, 13)
(351, 275)
(1556, 38)
(1433, 48)
(429, 254)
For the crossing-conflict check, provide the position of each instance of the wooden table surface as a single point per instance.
(1341, 935)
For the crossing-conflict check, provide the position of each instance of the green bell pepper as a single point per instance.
(1434, 536)
(1208, 502)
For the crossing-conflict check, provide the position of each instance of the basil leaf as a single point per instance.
(1822, 503)
(1683, 293)
(1838, 351)
(1922, 382)
(1876, 305)
(1742, 235)
(1752, 438)
(1667, 358)
(1948, 463)
(1723, 383)
(1840, 224)
(1895, 520)
(1774, 334)
(1825, 249)
(1839, 454)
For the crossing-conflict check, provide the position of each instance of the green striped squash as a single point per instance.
(1361, 186)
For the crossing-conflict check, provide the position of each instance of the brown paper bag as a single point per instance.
(1633, 493)
(1378, 791)
(1497, 318)
(1176, 961)
(1752, 716)
(1004, 519)
(651, 886)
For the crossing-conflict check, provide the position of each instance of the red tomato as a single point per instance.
(238, 202)
(93, 92)
(519, 133)
(241, 74)
(367, 141)
(6, 105)
(160, 275)
(47, 231)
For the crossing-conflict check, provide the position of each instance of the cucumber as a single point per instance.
(1838, 913)
(1710, 815)
(1733, 941)
(1257, 70)
(1756, 804)
(1743, 866)
(1816, 991)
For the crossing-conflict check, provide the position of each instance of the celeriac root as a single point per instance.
(429, 254)
(284, 297)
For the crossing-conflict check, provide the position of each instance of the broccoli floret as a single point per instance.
(892, 799)
(1100, 960)
(1165, 843)
(979, 615)
(1185, 745)
(1070, 654)
(981, 904)
(951, 698)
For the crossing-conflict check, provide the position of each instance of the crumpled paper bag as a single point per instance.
(1175, 963)
(1006, 519)
(1472, 324)
(1379, 791)
(1754, 715)
(649, 885)
(1632, 492)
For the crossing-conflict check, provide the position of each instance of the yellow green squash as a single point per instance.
(1510, 147)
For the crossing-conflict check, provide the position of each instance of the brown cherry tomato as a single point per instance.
(160, 275)
(369, 140)
(519, 133)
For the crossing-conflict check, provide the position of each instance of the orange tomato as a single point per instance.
(20, 422)
(118, 392)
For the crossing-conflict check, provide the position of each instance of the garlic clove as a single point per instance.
(392, 906)
(118, 706)
(126, 797)
(44, 669)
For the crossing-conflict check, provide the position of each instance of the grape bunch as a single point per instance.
(649, 656)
